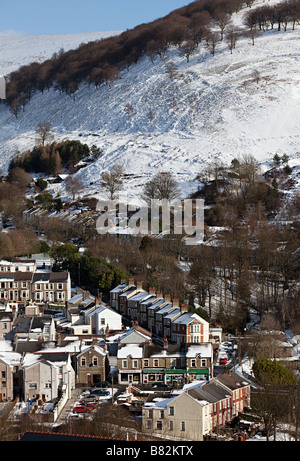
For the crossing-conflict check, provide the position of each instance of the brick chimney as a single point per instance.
(131, 281)
(166, 343)
(184, 308)
(98, 300)
(167, 298)
(159, 294)
(176, 302)
(139, 285)
(152, 290)
(85, 295)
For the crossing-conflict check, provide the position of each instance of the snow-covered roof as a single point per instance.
(133, 350)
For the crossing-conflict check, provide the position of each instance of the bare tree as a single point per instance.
(222, 20)
(112, 181)
(187, 48)
(212, 41)
(73, 185)
(252, 33)
(161, 186)
(171, 70)
(44, 133)
(231, 37)
(16, 107)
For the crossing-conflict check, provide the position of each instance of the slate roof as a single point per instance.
(54, 356)
(232, 381)
(210, 392)
(50, 277)
(20, 276)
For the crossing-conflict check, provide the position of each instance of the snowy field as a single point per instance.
(212, 110)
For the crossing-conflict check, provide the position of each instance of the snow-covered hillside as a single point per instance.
(19, 50)
(212, 109)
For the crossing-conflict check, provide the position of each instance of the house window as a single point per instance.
(47, 385)
(193, 363)
(159, 425)
(32, 386)
(171, 413)
(83, 362)
(146, 363)
(183, 425)
(135, 364)
(171, 426)
(102, 321)
(95, 361)
(124, 364)
(156, 363)
(3, 375)
(203, 363)
(24, 284)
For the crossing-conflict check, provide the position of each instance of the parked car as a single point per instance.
(99, 392)
(222, 361)
(81, 409)
(89, 398)
(88, 404)
(102, 385)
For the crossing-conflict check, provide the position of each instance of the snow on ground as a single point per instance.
(212, 110)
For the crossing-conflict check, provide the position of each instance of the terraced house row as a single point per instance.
(158, 313)
(199, 410)
(22, 282)
(171, 364)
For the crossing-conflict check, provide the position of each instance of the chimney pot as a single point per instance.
(184, 308)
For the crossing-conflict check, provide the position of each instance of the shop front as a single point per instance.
(129, 377)
(175, 377)
(201, 374)
(153, 376)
